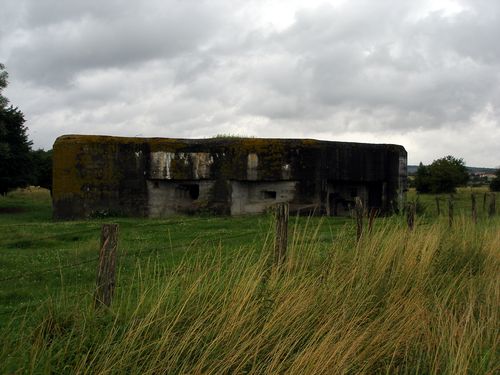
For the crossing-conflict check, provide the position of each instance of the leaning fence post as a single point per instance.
(437, 206)
(492, 209)
(474, 209)
(280, 246)
(410, 215)
(359, 217)
(450, 210)
(105, 282)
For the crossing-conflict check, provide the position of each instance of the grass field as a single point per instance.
(198, 295)
(39, 256)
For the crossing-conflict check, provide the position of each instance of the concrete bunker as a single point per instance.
(170, 197)
(249, 197)
(157, 177)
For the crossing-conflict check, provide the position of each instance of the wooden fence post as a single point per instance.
(450, 210)
(105, 282)
(484, 202)
(492, 209)
(280, 246)
(410, 215)
(359, 217)
(437, 206)
(474, 209)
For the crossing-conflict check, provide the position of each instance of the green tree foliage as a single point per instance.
(442, 176)
(19, 165)
(495, 183)
(422, 179)
(42, 163)
(16, 165)
(3, 84)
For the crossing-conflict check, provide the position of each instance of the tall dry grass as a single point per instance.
(421, 302)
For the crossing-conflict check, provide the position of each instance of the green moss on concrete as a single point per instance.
(101, 172)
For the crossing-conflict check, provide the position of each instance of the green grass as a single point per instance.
(200, 295)
(462, 204)
(39, 256)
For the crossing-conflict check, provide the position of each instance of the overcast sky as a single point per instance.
(424, 74)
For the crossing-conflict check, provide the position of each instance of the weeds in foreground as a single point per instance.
(419, 302)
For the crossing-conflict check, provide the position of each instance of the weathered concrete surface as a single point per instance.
(249, 197)
(167, 197)
(99, 175)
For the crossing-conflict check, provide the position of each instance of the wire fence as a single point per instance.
(31, 277)
(27, 274)
(32, 305)
(24, 275)
(25, 239)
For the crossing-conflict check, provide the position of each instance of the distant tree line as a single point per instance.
(20, 165)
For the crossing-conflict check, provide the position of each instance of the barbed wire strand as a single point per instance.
(71, 265)
(47, 270)
(88, 230)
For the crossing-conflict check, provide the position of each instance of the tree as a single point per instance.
(442, 176)
(15, 160)
(3, 84)
(422, 179)
(16, 166)
(42, 168)
(495, 183)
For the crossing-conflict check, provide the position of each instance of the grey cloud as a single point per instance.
(367, 58)
(373, 70)
(54, 52)
(38, 14)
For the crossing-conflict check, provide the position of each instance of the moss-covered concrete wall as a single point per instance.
(100, 175)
